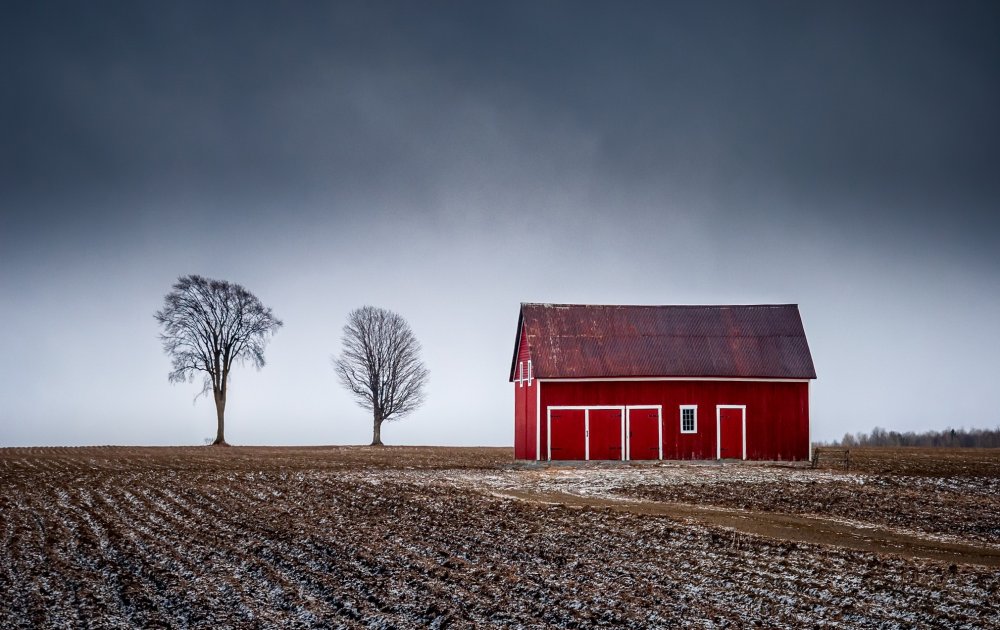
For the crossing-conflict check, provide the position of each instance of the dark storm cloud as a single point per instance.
(461, 157)
(192, 96)
(862, 97)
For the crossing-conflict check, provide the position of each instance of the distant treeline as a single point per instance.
(963, 438)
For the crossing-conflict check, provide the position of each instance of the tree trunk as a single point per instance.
(220, 412)
(377, 431)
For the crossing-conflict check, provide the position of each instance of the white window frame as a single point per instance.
(521, 377)
(693, 408)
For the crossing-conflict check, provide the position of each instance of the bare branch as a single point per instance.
(210, 325)
(380, 364)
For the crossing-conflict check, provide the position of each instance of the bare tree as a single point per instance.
(208, 326)
(380, 365)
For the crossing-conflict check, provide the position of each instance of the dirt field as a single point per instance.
(930, 462)
(414, 537)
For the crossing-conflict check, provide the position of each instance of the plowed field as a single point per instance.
(431, 537)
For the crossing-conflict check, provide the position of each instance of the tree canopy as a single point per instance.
(208, 327)
(380, 365)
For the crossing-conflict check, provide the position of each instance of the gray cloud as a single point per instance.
(451, 160)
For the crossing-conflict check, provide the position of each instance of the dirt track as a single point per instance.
(784, 527)
(414, 537)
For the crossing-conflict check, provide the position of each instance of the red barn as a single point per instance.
(661, 382)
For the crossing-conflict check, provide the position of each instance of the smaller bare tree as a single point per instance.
(208, 326)
(380, 364)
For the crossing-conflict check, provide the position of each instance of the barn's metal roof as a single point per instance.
(600, 341)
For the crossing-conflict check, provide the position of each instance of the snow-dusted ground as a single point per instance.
(962, 509)
(109, 541)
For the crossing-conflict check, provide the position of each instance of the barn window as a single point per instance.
(689, 418)
(524, 375)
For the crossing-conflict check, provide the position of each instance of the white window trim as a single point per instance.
(523, 378)
(681, 412)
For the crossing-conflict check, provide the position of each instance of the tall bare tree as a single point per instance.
(209, 326)
(380, 364)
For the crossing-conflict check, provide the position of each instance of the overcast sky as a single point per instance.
(451, 160)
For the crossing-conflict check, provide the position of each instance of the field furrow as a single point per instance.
(358, 538)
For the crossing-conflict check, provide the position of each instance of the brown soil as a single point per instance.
(361, 537)
(239, 458)
(936, 462)
(787, 527)
(959, 507)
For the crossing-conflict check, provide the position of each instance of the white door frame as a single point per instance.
(718, 428)
(586, 425)
(538, 419)
(628, 428)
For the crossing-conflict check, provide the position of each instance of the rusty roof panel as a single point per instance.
(595, 341)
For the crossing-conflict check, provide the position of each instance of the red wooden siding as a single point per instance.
(520, 428)
(777, 413)
(525, 401)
